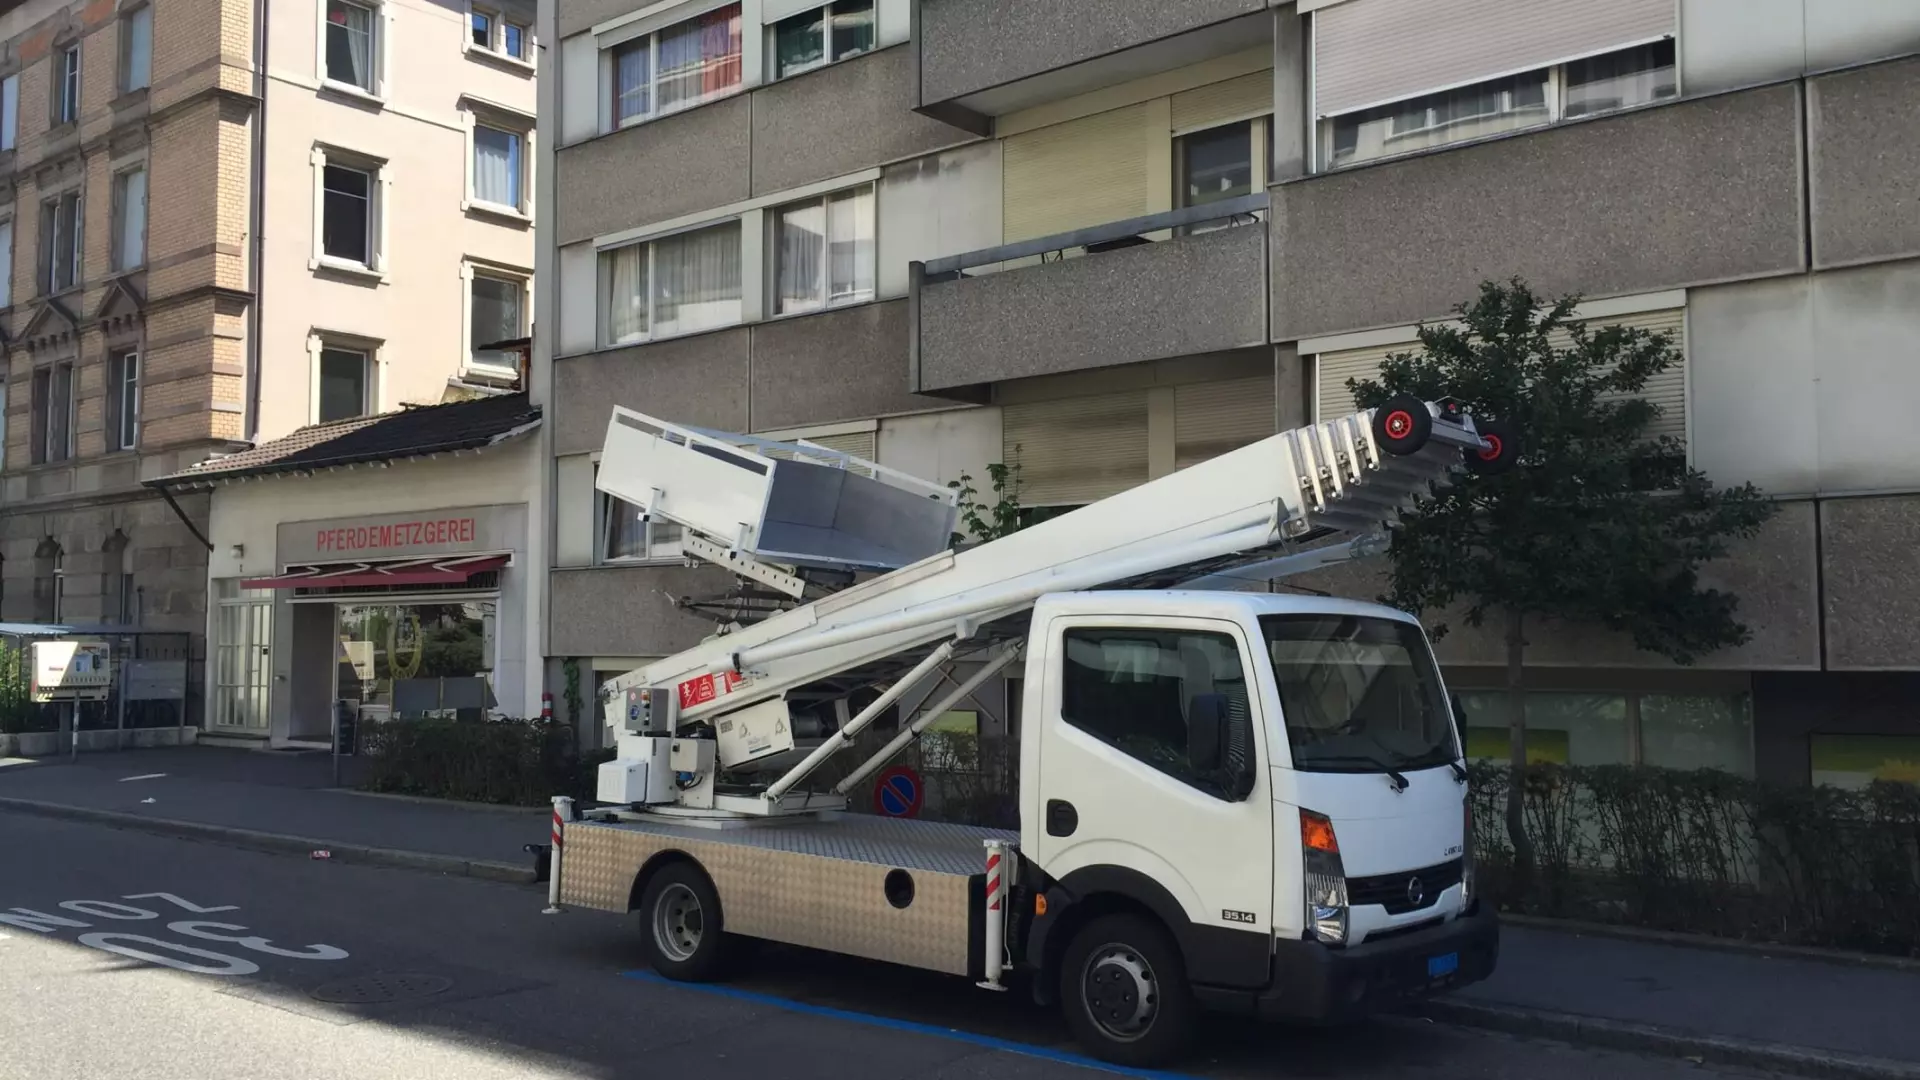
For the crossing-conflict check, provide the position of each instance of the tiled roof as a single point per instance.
(412, 432)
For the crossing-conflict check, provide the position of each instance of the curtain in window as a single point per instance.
(802, 236)
(626, 533)
(350, 44)
(850, 246)
(633, 80)
(697, 280)
(139, 47)
(496, 166)
(699, 57)
(625, 273)
(132, 240)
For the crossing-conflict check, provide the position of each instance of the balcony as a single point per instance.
(985, 58)
(1175, 284)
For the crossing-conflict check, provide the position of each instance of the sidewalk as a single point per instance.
(1730, 1006)
(249, 796)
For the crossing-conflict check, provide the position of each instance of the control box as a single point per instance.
(651, 710)
(642, 778)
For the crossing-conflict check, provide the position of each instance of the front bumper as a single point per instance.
(1316, 984)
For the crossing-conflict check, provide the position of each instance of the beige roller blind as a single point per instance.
(1667, 389)
(1367, 52)
(857, 443)
(1084, 172)
(1078, 450)
(1221, 102)
(1209, 419)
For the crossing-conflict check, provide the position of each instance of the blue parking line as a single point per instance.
(870, 1020)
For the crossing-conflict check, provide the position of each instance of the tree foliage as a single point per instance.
(1600, 522)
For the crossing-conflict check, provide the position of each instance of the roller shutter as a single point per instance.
(1081, 173)
(1079, 450)
(858, 443)
(1213, 418)
(1368, 52)
(1223, 102)
(1667, 389)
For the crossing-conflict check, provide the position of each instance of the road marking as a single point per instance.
(986, 1041)
(143, 776)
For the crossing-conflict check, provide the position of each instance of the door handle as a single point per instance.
(1062, 818)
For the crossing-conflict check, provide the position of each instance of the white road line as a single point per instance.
(143, 776)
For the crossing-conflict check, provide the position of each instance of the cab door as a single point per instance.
(1121, 786)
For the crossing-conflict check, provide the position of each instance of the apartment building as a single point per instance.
(224, 220)
(1105, 239)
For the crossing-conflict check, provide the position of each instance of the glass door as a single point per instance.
(243, 628)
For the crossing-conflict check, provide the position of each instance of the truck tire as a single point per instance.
(681, 927)
(1123, 985)
(1402, 425)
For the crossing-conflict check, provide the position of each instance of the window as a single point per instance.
(1220, 163)
(60, 241)
(822, 36)
(499, 314)
(130, 219)
(6, 263)
(675, 285)
(117, 594)
(136, 49)
(625, 538)
(347, 214)
(418, 659)
(498, 166)
(123, 400)
(350, 44)
(49, 581)
(826, 252)
(495, 33)
(678, 67)
(9, 112)
(66, 85)
(1132, 689)
(345, 382)
(243, 632)
(1616, 80)
(1359, 694)
(52, 413)
(1853, 762)
(1674, 731)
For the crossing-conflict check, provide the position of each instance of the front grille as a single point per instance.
(1397, 892)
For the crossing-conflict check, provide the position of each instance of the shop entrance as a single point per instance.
(415, 658)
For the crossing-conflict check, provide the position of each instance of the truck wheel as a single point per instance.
(681, 925)
(1123, 985)
(1402, 425)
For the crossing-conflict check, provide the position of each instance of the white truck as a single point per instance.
(1235, 800)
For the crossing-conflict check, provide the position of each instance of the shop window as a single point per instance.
(1855, 761)
(1674, 731)
(412, 660)
(1681, 731)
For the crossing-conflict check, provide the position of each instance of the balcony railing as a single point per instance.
(1094, 239)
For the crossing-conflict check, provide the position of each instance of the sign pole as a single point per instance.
(120, 709)
(74, 721)
(336, 743)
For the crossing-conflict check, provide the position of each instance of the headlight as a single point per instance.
(1325, 879)
(1466, 853)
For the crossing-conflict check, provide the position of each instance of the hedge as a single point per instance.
(515, 762)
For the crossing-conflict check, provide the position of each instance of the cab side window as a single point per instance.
(1136, 691)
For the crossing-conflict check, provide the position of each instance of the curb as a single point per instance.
(1766, 950)
(1651, 1039)
(454, 804)
(280, 843)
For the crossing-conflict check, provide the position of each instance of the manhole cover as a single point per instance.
(381, 989)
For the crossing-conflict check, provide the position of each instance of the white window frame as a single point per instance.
(320, 341)
(67, 85)
(772, 31)
(1555, 93)
(47, 448)
(126, 381)
(665, 552)
(496, 47)
(476, 114)
(116, 256)
(1260, 146)
(772, 248)
(469, 269)
(381, 25)
(609, 69)
(127, 16)
(381, 193)
(51, 285)
(751, 225)
(10, 112)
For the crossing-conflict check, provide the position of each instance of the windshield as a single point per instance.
(1359, 694)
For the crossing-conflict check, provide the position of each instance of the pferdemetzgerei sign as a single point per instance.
(69, 670)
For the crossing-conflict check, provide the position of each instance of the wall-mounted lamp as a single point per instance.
(238, 551)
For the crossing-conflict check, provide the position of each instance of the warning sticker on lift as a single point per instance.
(704, 688)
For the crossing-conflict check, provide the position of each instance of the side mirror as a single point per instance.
(1207, 732)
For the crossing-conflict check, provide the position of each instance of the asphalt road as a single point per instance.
(118, 960)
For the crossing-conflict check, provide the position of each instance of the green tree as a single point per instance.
(1599, 521)
(990, 520)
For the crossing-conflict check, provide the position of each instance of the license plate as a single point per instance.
(1441, 966)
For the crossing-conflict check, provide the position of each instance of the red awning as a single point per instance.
(358, 575)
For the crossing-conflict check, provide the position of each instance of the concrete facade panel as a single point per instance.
(971, 45)
(1864, 151)
(628, 610)
(687, 380)
(1197, 294)
(840, 119)
(654, 171)
(1674, 195)
(575, 16)
(1873, 595)
(839, 365)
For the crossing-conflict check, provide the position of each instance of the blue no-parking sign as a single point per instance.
(898, 793)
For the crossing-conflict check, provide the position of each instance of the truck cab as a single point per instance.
(1262, 796)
